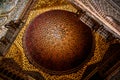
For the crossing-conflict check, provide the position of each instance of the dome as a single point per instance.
(57, 41)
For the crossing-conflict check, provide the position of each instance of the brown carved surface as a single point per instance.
(57, 40)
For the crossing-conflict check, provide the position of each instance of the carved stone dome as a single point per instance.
(57, 41)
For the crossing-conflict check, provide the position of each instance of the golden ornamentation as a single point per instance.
(48, 3)
(17, 53)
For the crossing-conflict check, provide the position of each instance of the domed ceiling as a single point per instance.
(57, 41)
(17, 53)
